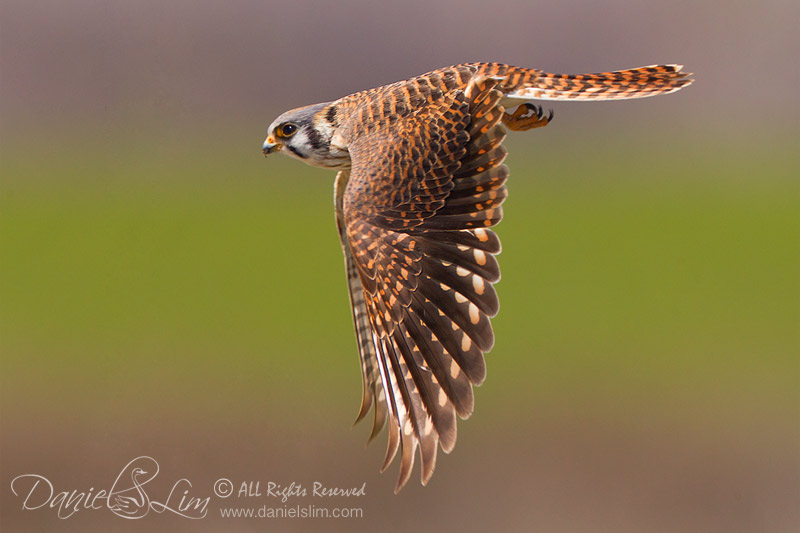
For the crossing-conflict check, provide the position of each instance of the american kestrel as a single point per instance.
(421, 179)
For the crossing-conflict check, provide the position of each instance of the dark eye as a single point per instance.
(287, 130)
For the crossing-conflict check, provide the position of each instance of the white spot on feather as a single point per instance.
(466, 343)
(477, 284)
(474, 315)
(454, 370)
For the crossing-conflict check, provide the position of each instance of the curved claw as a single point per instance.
(527, 116)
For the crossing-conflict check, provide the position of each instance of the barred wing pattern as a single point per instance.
(424, 183)
(413, 213)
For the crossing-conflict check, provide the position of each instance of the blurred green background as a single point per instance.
(165, 291)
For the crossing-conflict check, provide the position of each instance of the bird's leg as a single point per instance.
(526, 117)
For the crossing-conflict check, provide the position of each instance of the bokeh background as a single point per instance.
(166, 291)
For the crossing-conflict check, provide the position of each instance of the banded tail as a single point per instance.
(531, 84)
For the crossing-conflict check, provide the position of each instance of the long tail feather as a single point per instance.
(622, 84)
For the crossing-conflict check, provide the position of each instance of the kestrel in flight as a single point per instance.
(421, 179)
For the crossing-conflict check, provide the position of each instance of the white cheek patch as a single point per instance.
(324, 128)
(299, 142)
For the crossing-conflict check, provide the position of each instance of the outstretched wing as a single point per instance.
(423, 187)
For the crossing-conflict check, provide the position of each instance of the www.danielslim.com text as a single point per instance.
(296, 511)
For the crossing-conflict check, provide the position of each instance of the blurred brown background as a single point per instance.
(167, 292)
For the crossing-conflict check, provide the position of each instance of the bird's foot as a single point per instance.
(526, 117)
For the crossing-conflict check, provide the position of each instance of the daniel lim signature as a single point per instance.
(128, 496)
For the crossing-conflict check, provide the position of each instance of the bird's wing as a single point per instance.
(422, 189)
(372, 391)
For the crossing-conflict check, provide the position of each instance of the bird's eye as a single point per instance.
(287, 130)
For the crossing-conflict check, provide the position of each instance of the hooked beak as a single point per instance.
(270, 146)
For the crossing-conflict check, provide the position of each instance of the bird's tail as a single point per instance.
(528, 84)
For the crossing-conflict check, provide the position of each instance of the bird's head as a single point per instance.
(306, 133)
(138, 472)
